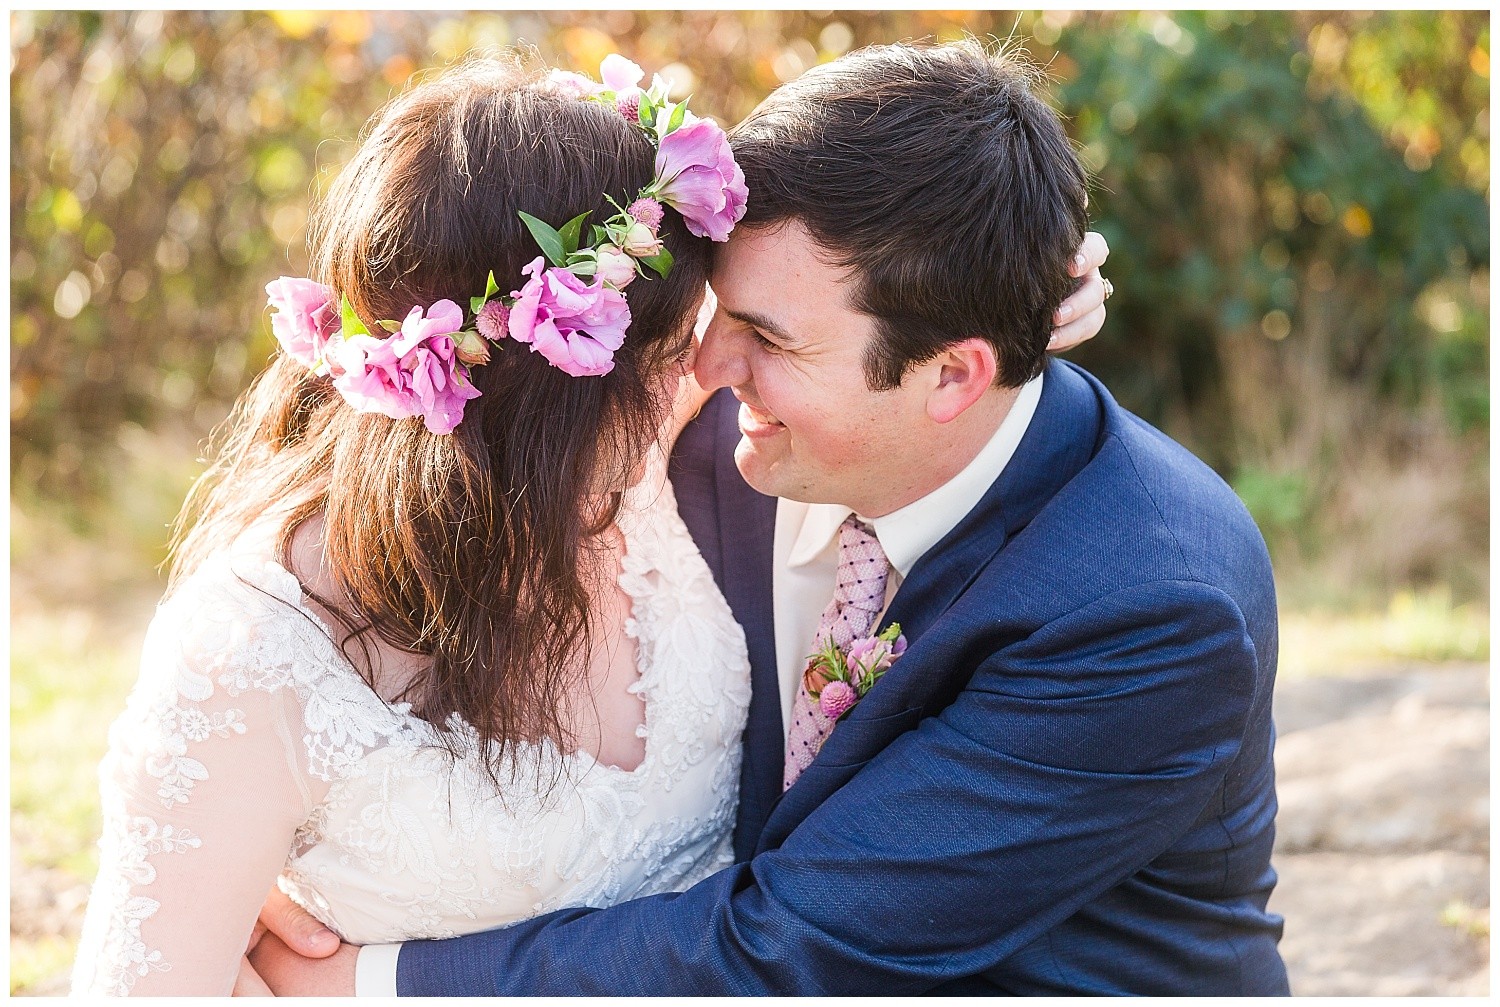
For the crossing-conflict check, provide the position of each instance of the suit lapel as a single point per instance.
(1059, 441)
(734, 527)
(1062, 437)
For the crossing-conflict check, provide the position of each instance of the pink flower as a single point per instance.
(442, 318)
(575, 83)
(701, 178)
(415, 372)
(640, 241)
(493, 321)
(370, 377)
(836, 699)
(622, 77)
(869, 657)
(471, 348)
(815, 677)
(619, 74)
(305, 317)
(576, 325)
(646, 210)
(615, 267)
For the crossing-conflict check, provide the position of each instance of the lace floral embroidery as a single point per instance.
(404, 841)
(127, 845)
(218, 638)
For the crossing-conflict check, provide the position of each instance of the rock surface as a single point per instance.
(1383, 835)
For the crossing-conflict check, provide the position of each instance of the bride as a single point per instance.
(437, 652)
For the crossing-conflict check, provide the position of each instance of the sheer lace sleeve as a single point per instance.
(211, 770)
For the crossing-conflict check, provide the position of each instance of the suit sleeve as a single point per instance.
(1070, 761)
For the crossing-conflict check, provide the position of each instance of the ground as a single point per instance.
(1383, 835)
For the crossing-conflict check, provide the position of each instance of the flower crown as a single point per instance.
(572, 307)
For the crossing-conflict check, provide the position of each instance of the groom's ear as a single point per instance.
(962, 372)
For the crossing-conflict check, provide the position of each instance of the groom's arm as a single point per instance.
(1070, 762)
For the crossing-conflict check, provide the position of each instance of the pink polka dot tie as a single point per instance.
(858, 597)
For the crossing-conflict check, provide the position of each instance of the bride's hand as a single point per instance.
(1081, 316)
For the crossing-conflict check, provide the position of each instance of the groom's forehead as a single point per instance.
(782, 261)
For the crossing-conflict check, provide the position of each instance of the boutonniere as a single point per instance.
(837, 678)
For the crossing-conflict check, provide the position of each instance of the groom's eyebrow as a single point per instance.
(765, 324)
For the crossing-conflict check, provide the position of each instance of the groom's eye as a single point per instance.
(765, 343)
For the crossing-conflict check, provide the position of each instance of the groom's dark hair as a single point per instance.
(938, 176)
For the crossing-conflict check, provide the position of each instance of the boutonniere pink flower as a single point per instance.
(837, 678)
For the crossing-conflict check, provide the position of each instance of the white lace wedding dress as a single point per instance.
(251, 749)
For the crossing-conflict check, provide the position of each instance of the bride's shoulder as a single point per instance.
(245, 580)
(226, 587)
(239, 616)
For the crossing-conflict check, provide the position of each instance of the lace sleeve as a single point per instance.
(204, 787)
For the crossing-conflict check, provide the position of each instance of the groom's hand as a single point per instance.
(1080, 317)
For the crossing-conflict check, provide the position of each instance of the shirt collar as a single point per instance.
(908, 533)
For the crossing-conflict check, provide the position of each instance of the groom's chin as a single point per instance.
(758, 463)
(768, 470)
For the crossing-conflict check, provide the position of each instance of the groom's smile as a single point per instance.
(787, 342)
(758, 423)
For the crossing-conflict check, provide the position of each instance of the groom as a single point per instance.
(1064, 785)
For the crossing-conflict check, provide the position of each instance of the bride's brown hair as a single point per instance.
(477, 549)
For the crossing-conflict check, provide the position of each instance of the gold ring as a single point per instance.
(1109, 289)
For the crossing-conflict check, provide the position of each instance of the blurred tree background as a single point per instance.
(1297, 205)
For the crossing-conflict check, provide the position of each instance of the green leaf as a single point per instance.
(600, 235)
(548, 238)
(570, 231)
(491, 288)
(679, 112)
(662, 263)
(389, 325)
(349, 321)
(648, 110)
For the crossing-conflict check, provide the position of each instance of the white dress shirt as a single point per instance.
(805, 567)
(803, 575)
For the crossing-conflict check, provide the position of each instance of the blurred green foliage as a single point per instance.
(1297, 206)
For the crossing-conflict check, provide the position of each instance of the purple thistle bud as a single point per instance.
(646, 210)
(493, 321)
(629, 105)
(836, 699)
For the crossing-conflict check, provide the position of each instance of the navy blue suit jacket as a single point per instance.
(1064, 785)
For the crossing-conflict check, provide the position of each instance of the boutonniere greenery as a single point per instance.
(837, 678)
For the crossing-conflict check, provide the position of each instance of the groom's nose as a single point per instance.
(721, 360)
